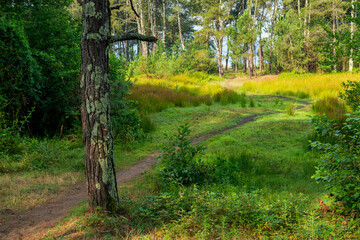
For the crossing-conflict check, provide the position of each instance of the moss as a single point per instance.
(105, 30)
(89, 9)
(94, 36)
(82, 81)
(98, 186)
(89, 67)
(97, 77)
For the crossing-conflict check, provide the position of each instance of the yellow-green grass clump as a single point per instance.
(158, 94)
(316, 86)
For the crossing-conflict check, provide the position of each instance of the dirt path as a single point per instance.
(37, 220)
(237, 82)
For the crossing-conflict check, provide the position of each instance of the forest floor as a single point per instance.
(35, 222)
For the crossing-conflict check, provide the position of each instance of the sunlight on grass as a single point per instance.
(302, 85)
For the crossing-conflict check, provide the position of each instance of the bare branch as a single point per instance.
(116, 7)
(133, 36)
(132, 7)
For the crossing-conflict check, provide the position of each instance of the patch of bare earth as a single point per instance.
(237, 82)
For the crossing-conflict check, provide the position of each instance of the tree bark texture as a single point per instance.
(95, 110)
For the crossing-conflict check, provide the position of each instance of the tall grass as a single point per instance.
(153, 98)
(158, 94)
(332, 107)
(302, 85)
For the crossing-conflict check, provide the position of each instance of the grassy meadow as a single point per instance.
(259, 183)
(314, 86)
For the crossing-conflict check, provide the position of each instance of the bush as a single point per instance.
(126, 120)
(230, 97)
(179, 164)
(19, 73)
(198, 213)
(339, 166)
(332, 108)
(291, 109)
(351, 94)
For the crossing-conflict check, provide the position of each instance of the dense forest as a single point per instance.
(220, 119)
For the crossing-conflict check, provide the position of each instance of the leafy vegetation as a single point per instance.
(253, 176)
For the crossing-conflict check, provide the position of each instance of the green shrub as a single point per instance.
(351, 94)
(179, 164)
(19, 73)
(126, 120)
(192, 212)
(332, 108)
(339, 166)
(290, 110)
(228, 170)
(230, 97)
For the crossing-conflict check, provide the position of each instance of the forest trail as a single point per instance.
(236, 82)
(35, 222)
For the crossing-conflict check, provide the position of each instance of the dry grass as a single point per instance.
(317, 86)
(21, 191)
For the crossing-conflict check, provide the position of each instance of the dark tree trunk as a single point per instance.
(95, 110)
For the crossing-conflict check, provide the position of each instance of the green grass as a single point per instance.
(272, 196)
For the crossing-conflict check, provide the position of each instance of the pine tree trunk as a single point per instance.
(351, 61)
(245, 67)
(95, 109)
(164, 22)
(261, 55)
(252, 47)
(144, 45)
(219, 53)
(334, 30)
(180, 29)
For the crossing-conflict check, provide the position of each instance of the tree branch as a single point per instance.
(133, 36)
(132, 7)
(116, 7)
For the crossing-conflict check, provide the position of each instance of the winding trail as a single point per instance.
(35, 222)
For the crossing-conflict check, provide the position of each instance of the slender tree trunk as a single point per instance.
(261, 55)
(180, 30)
(227, 59)
(144, 45)
(245, 65)
(164, 22)
(219, 53)
(236, 66)
(252, 55)
(351, 61)
(334, 31)
(251, 62)
(95, 109)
